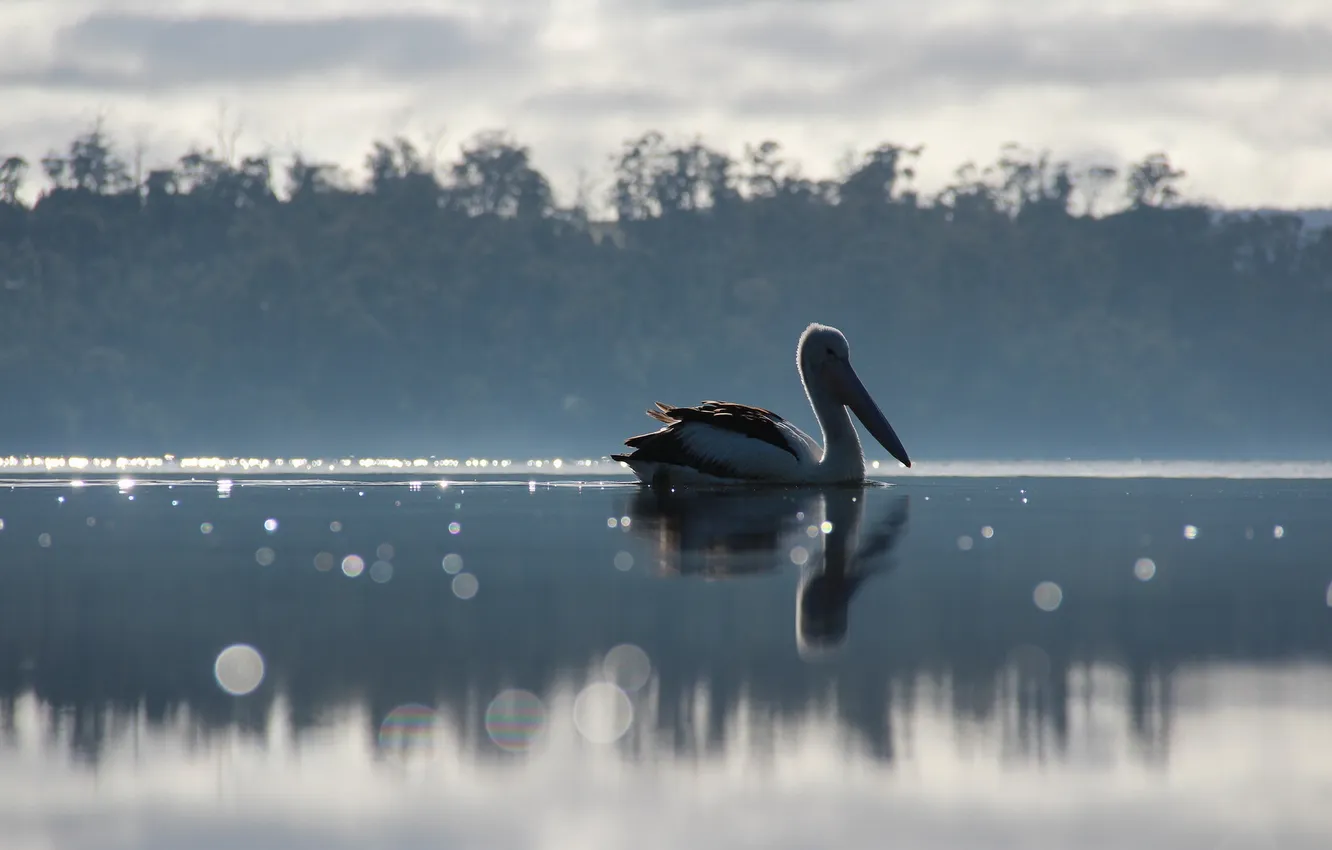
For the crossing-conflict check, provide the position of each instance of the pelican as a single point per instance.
(720, 442)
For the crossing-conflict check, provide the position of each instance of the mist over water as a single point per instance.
(505, 662)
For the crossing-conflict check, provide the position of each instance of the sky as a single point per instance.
(1232, 91)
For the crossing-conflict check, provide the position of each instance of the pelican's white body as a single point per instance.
(761, 462)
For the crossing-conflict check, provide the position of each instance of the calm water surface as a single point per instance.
(949, 663)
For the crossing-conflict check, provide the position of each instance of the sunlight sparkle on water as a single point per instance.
(628, 666)
(514, 719)
(353, 566)
(604, 466)
(603, 712)
(1048, 596)
(407, 727)
(239, 669)
(1144, 569)
(465, 585)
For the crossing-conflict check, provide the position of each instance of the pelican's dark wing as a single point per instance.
(671, 445)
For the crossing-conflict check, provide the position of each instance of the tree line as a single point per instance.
(241, 304)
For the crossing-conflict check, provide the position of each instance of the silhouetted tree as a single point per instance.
(12, 172)
(1151, 183)
(431, 306)
(496, 177)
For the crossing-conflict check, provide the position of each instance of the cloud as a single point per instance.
(1085, 53)
(1233, 92)
(138, 51)
(588, 100)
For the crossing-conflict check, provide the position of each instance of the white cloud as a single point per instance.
(1232, 91)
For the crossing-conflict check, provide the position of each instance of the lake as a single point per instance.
(947, 662)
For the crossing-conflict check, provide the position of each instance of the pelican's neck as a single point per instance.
(842, 456)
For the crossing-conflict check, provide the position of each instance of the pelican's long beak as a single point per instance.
(856, 397)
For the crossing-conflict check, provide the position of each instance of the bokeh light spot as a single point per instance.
(1278, 532)
(455, 528)
(965, 543)
(385, 551)
(1190, 532)
(453, 563)
(407, 727)
(270, 525)
(265, 556)
(239, 669)
(44, 540)
(323, 561)
(514, 719)
(628, 666)
(206, 527)
(381, 572)
(799, 555)
(602, 712)
(987, 532)
(1144, 569)
(1048, 596)
(611, 522)
(353, 566)
(335, 526)
(465, 585)
(825, 527)
(624, 561)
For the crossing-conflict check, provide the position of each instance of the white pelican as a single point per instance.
(722, 442)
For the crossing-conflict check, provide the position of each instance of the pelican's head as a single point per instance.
(824, 356)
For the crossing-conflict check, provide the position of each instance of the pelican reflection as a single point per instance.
(849, 558)
(732, 533)
(723, 533)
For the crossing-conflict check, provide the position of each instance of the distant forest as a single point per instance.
(241, 305)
